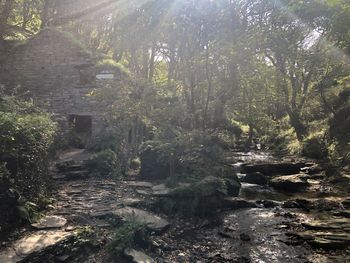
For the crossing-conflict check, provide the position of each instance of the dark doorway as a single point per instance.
(80, 130)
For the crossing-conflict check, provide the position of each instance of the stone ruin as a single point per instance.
(57, 72)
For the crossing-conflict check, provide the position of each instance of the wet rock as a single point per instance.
(346, 203)
(50, 222)
(59, 177)
(290, 183)
(140, 184)
(244, 237)
(255, 178)
(330, 243)
(102, 214)
(273, 168)
(343, 182)
(324, 204)
(63, 258)
(325, 240)
(138, 256)
(74, 175)
(34, 243)
(64, 165)
(233, 185)
(297, 203)
(237, 203)
(225, 234)
(313, 169)
(201, 198)
(143, 192)
(74, 192)
(341, 224)
(268, 203)
(343, 213)
(131, 201)
(253, 191)
(152, 221)
(161, 190)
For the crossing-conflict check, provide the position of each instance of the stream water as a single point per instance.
(261, 234)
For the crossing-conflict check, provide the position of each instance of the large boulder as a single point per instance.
(290, 183)
(255, 178)
(201, 198)
(152, 221)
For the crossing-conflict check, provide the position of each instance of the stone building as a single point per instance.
(57, 72)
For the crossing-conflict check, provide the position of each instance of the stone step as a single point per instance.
(325, 239)
(138, 256)
(340, 224)
(152, 221)
(34, 243)
(50, 222)
(73, 175)
(140, 184)
(290, 183)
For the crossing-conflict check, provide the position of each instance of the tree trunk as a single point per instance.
(209, 80)
(151, 62)
(4, 16)
(297, 124)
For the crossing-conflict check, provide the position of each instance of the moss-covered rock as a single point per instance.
(290, 183)
(201, 198)
(314, 147)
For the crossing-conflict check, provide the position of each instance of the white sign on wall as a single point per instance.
(102, 76)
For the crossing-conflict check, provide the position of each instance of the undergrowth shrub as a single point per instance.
(26, 136)
(104, 163)
(135, 163)
(114, 141)
(131, 234)
(314, 146)
(190, 153)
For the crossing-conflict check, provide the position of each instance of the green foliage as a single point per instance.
(105, 163)
(187, 154)
(26, 135)
(315, 146)
(129, 235)
(339, 153)
(135, 163)
(107, 140)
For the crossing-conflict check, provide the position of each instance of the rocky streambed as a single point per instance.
(287, 210)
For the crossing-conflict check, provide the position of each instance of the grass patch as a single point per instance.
(130, 234)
